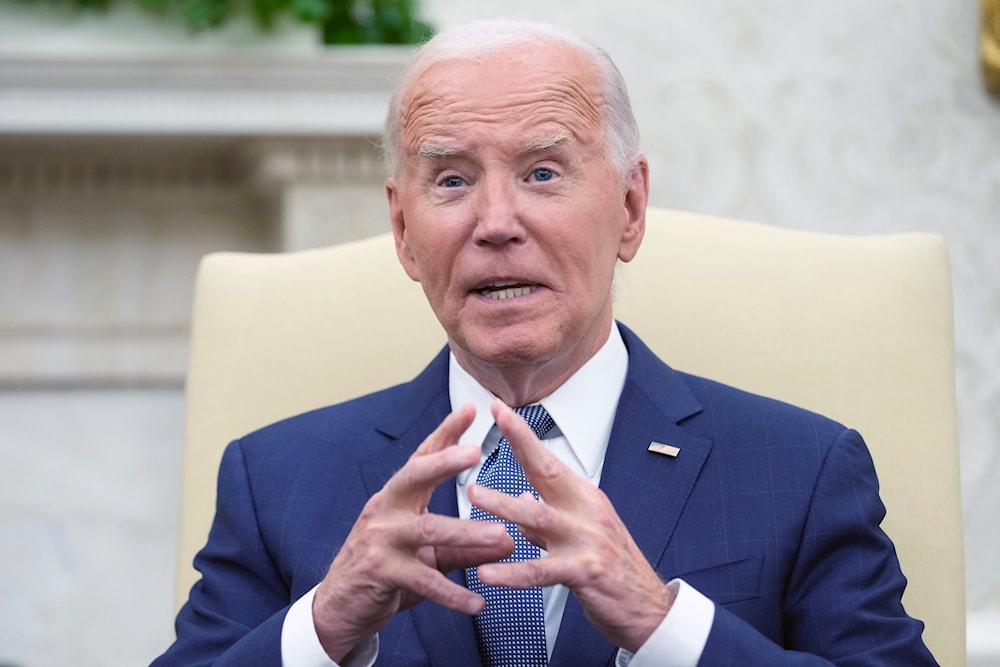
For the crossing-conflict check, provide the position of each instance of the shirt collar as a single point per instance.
(583, 407)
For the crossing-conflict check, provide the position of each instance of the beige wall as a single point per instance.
(859, 116)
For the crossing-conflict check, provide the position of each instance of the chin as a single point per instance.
(507, 351)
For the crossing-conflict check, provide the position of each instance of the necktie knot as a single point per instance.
(502, 471)
(538, 419)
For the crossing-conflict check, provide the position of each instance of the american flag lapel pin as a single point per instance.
(666, 450)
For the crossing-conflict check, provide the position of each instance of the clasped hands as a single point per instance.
(397, 552)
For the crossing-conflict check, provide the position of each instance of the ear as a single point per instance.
(398, 221)
(636, 198)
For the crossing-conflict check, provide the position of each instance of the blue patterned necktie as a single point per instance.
(511, 627)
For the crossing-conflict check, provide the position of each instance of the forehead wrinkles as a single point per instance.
(446, 108)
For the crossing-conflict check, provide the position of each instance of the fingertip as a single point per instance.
(464, 415)
(491, 531)
(474, 605)
(485, 572)
(497, 407)
(475, 492)
(467, 455)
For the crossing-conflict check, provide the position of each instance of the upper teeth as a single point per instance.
(496, 292)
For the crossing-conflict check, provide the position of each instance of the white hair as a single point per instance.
(483, 38)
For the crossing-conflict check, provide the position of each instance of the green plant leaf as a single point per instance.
(339, 21)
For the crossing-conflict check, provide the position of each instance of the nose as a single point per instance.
(498, 220)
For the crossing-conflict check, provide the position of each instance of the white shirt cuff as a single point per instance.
(300, 645)
(680, 638)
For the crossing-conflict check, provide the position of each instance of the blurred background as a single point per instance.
(130, 146)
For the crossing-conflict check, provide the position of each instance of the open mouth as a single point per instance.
(507, 290)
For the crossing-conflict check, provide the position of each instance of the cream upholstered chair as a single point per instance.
(859, 328)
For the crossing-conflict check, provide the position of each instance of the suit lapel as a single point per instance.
(448, 637)
(648, 490)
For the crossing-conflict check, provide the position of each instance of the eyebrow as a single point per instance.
(429, 150)
(545, 143)
(435, 150)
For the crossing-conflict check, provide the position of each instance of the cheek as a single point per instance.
(438, 235)
(435, 257)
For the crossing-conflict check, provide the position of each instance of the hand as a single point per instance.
(589, 548)
(397, 552)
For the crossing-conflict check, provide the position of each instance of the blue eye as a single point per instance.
(543, 174)
(453, 182)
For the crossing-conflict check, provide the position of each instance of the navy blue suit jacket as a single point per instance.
(771, 511)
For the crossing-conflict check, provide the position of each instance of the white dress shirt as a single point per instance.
(583, 409)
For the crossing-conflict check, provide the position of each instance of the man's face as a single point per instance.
(508, 212)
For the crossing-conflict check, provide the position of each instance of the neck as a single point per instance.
(526, 382)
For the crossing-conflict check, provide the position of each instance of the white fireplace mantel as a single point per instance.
(117, 171)
(341, 91)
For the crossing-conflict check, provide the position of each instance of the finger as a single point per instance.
(435, 460)
(440, 531)
(412, 485)
(544, 571)
(537, 521)
(448, 431)
(451, 558)
(431, 584)
(548, 475)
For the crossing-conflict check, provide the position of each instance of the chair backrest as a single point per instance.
(858, 328)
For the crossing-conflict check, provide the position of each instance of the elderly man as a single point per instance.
(461, 532)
